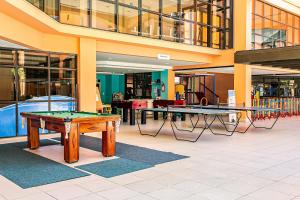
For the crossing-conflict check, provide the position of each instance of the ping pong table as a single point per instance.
(247, 110)
(199, 112)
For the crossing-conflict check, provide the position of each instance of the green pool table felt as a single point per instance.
(70, 115)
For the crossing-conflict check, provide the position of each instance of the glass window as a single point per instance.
(297, 37)
(170, 7)
(7, 58)
(259, 8)
(187, 7)
(103, 15)
(151, 5)
(74, 12)
(170, 29)
(37, 3)
(267, 11)
(128, 20)
(7, 84)
(62, 61)
(278, 27)
(29, 59)
(33, 83)
(150, 25)
(187, 33)
(62, 84)
(258, 25)
(8, 119)
(51, 8)
(130, 2)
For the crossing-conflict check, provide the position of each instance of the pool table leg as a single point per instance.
(109, 140)
(71, 145)
(33, 136)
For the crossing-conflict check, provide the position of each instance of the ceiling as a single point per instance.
(7, 44)
(118, 63)
(230, 70)
(284, 57)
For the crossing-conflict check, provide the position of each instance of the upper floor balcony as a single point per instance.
(206, 23)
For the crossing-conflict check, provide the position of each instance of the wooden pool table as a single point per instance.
(70, 125)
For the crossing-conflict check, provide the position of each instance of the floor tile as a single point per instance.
(264, 194)
(118, 193)
(169, 193)
(69, 192)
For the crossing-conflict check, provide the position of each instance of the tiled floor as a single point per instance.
(259, 165)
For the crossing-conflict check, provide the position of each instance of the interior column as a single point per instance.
(86, 74)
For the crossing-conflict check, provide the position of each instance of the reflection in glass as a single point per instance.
(128, 20)
(51, 8)
(150, 25)
(152, 5)
(170, 7)
(8, 119)
(62, 61)
(7, 84)
(63, 83)
(103, 15)
(130, 2)
(32, 59)
(273, 27)
(74, 12)
(34, 83)
(7, 57)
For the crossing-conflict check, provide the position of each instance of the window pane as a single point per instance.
(37, 3)
(103, 15)
(170, 7)
(7, 84)
(282, 17)
(187, 33)
(267, 11)
(62, 61)
(275, 14)
(32, 59)
(297, 37)
(170, 29)
(259, 8)
(32, 83)
(63, 84)
(30, 106)
(150, 25)
(130, 2)
(151, 5)
(128, 20)
(51, 8)
(187, 7)
(74, 12)
(8, 126)
(7, 57)
(290, 19)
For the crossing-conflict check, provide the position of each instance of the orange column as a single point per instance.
(87, 74)
(242, 41)
(171, 84)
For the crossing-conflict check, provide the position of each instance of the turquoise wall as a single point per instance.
(116, 83)
(109, 85)
(163, 76)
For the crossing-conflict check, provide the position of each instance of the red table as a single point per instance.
(129, 105)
